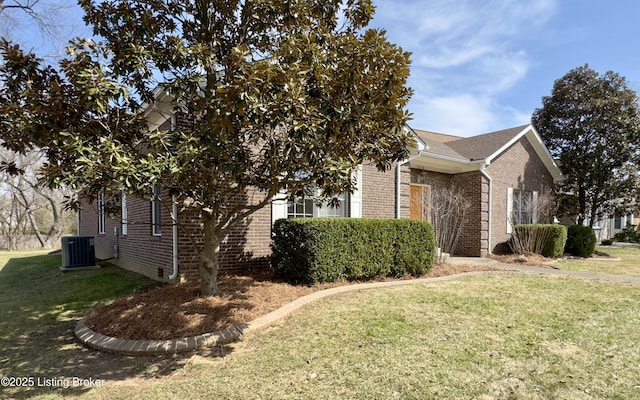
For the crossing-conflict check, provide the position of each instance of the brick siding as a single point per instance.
(139, 250)
(473, 239)
(246, 247)
(379, 192)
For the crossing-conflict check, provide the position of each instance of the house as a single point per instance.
(503, 175)
(607, 227)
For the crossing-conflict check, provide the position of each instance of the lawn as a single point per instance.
(473, 338)
(486, 337)
(629, 264)
(40, 306)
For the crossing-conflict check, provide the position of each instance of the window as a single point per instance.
(101, 217)
(282, 205)
(124, 214)
(300, 208)
(617, 222)
(522, 207)
(597, 223)
(156, 211)
(303, 207)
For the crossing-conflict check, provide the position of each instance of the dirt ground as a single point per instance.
(534, 260)
(175, 311)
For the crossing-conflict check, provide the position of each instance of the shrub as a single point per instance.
(312, 250)
(606, 242)
(581, 241)
(628, 234)
(545, 239)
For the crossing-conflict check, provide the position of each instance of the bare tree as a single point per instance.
(34, 23)
(448, 216)
(13, 223)
(30, 208)
(524, 240)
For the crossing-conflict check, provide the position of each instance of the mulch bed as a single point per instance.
(175, 311)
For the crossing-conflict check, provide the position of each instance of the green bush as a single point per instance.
(606, 242)
(628, 234)
(312, 250)
(545, 239)
(581, 241)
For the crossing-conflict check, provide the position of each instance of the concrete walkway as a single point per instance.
(151, 347)
(526, 269)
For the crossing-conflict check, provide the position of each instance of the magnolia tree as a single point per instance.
(270, 96)
(590, 122)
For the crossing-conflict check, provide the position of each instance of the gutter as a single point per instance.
(483, 171)
(174, 226)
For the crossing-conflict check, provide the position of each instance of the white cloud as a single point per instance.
(465, 54)
(462, 115)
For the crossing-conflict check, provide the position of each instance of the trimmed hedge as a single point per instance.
(581, 241)
(313, 250)
(554, 236)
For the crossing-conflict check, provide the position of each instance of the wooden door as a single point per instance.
(419, 205)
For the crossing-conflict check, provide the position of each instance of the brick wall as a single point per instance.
(139, 250)
(379, 191)
(246, 247)
(519, 167)
(473, 239)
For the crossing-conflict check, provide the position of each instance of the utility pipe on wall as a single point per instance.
(398, 183)
(174, 226)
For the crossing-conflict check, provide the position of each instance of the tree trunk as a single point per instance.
(209, 259)
(582, 205)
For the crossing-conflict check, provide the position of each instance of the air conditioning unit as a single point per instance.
(78, 252)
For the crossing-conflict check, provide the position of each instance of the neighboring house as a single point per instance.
(607, 227)
(501, 173)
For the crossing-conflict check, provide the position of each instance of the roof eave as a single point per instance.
(445, 164)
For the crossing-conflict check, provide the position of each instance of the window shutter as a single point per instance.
(534, 212)
(278, 207)
(124, 214)
(355, 199)
(509, 209)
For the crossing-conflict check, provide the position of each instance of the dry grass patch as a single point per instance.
(534, 260)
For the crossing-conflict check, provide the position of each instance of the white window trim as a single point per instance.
(124, 213)
(280, 201)
(101, 217)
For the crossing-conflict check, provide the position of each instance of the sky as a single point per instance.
(477, 65)
(484, 65)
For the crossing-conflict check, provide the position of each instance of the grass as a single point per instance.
(629, 264)
(488, 337)
(40, 305)
(476, 338)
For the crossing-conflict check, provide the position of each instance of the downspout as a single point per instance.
(174, 226)
(483, 171)
(398, 185)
